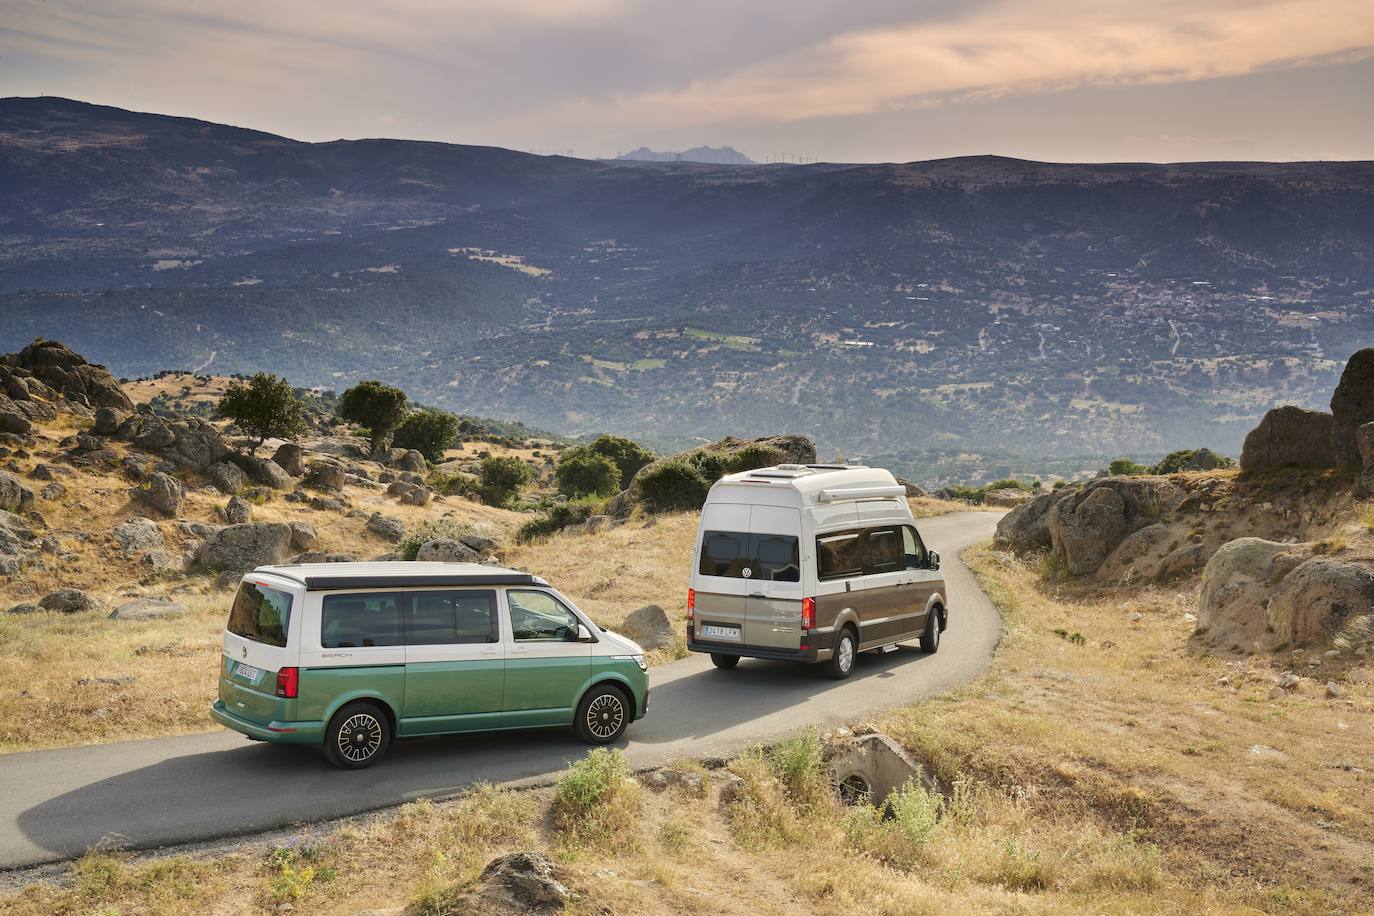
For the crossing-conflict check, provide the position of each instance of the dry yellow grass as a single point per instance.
(1104, 722)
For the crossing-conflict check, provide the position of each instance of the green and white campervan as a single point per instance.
(350, 655)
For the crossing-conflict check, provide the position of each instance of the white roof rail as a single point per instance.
(836, 494)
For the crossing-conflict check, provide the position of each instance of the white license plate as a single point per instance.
(720, 632)
(248, 673)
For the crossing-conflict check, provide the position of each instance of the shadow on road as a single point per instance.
(259, 787)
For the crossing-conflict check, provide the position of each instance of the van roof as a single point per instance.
(823, 482)
(398, 574)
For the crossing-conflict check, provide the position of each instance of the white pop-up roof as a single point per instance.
(822, 483)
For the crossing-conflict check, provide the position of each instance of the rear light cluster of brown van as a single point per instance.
(691, 603)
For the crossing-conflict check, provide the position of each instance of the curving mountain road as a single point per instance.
(55, 804)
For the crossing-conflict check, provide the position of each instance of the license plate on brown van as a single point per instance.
(711, 631)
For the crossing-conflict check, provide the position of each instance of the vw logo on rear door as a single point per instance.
(746, 572)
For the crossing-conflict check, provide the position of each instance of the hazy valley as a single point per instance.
(957, 319)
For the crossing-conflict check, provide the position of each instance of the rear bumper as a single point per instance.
(819, 648)
(277, 732)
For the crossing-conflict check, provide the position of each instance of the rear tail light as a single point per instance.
(288, 683)
(691, 602)
(808, 613)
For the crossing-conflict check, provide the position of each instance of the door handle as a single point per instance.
(491, 651)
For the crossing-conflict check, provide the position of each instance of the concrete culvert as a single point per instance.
(869, 768)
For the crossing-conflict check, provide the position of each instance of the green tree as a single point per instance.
(1120, 466)
(501, 478)
(263, 408)
(628, 456)
(376, 407)
(583, 472)
(428, 431)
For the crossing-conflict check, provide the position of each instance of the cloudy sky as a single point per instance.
(837, 80)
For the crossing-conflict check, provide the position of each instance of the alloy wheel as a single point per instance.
(605, 715)
(360, 736)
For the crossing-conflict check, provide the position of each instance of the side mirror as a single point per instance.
(583, 634)
(933, 560)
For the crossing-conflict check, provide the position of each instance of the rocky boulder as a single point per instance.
(1364, 442)
(518, 883)
(14, 496)
(1007, 497)
(303, 536)
(161, 492)
(1319, 598)
(1027, 527)
(1204, 459)
(138, 535)
(241, 548)
(263, 471)
(12, 421)
(148, 609)
(69, 601)
(447, 550)
(1352, 406)
(68, 374)
(227, 477)
(410, 494)
(386, 527)
(1289, 435)
(289, 457)
(238, 511)
(326, 474)
(1088, 524)
(1236, 585)
(411, 460)
(650, 627)
(913, 491)
(108, 420)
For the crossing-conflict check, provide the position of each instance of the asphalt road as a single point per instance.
(56, 804)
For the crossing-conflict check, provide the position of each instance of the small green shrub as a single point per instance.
(799, 765)
(435, 529)
(582, 472)
(672, 485)
(752, 456)
(597, 799)
(453, 484)
(501, 478)
(711, 465)
(1124, 466)
(554, 519)
(896, 833)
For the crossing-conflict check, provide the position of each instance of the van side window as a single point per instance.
(839, 555)
(449, 618)
(539, 615)
(882, 550)
(361, 621)
(914, 552)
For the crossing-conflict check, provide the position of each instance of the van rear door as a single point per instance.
(258, 641)
(774, 592)
(717, 579)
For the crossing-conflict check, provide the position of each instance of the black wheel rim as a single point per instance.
(605, 715)
(359, 738)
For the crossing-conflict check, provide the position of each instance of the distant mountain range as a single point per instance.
(922, 311)
(724, 155)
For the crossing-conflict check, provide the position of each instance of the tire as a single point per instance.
(357, 736)
(724, 661)
(841, 664)
(930, 639)
(603, 715)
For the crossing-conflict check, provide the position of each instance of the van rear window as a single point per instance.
(771, 557)
(261, 613)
